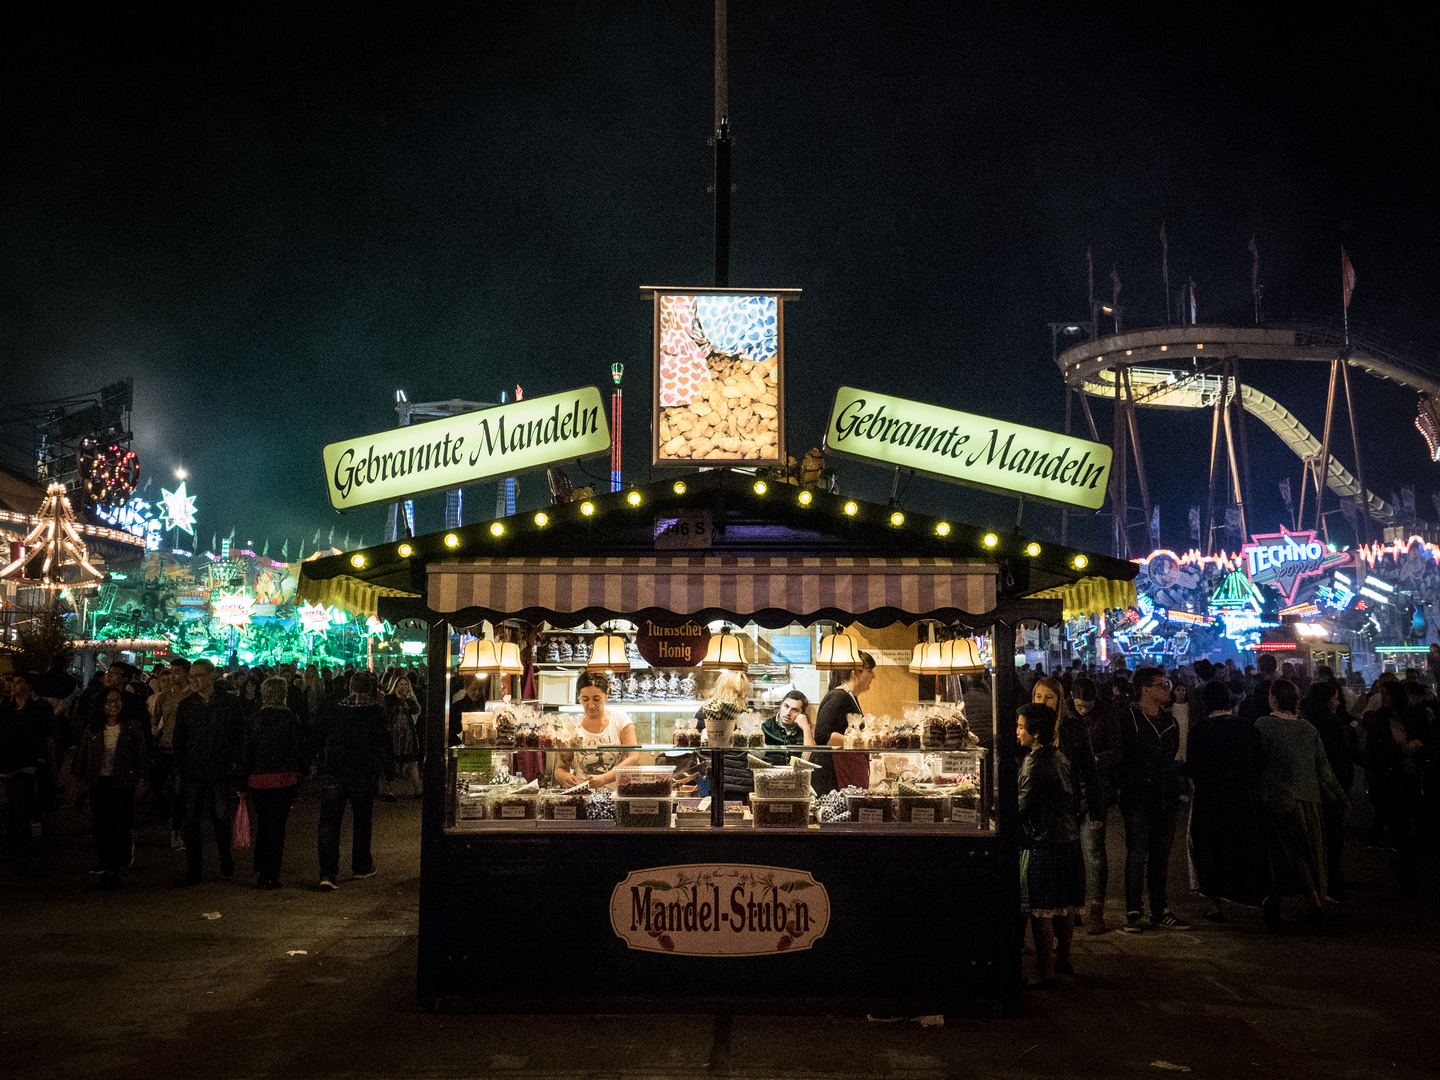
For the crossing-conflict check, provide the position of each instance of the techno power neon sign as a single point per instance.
(1283, 559)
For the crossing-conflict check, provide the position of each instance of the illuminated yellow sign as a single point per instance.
(466, 449)
(967, 449)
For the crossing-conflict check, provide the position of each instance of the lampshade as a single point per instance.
(607, 653)
(925, 660)
(726, 652)
(838, 652)
(959, 656)
(510, 662)
(481, 657)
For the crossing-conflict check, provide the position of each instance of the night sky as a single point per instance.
(275, 222)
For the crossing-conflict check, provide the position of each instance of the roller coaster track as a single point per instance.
(1169, 370)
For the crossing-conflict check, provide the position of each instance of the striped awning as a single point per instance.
(719, 586)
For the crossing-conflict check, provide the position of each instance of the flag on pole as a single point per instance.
(1192, 301)
(1114, 285)
(1195, 524)
(1347, 277)
(1155, 529)
(1254, 265)
(1090, 277)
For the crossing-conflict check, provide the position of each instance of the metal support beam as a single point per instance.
(1359, 469)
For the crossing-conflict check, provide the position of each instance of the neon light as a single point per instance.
(177, 509)
(1402, 648)
(233, 610)
(1300, 609)
(1380, 584)
(1290, 558)
(1365, 590)
(315, 618)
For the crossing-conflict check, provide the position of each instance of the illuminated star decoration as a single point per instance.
(374, 627)
(314, 617)
(233, 610)
(177, 509)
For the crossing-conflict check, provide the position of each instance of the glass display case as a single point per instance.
(910, 790)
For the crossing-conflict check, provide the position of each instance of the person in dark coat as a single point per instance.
(26, 730)
(1227, 849)
(1149, 782)
(1055, 869)
(832, 720)
(275, 755)
(1102, 725)
(355, 754)
(209, 747)
(790, 726)
(113, 762)
(1322, 709)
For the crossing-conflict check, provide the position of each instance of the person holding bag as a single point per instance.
(275, 759)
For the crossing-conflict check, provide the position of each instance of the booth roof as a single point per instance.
(768, 553)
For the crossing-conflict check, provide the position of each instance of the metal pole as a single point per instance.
(722, 150)
(1323, 472)
(1240, 429)
(1135, 445)
(1234, 466)
(1355, 440)
(1120, 503)
(1214, 450)
(1064, 513)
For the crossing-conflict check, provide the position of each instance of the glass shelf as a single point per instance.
(657, 747)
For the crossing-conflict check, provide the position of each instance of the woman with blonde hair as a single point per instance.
(726, 702)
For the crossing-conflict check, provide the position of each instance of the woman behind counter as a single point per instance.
(599, 726)
(725, 704)
(832, 720)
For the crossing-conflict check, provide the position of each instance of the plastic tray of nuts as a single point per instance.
(782, 783)
(780, 813)
(644, 781)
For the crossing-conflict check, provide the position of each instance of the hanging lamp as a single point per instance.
(959, 656)
(607, 653)
(838, 652)
(480, 658)
(925, 660)
(509, 659)
(726, 652)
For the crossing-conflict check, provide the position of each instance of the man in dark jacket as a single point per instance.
(1149, 782)
(354, 755)
(1106, 744)
(26, 725)
(209, 748)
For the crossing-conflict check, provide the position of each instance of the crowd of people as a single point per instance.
(188, 744)
(1258, 764)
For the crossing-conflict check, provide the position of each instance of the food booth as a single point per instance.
(532, 903)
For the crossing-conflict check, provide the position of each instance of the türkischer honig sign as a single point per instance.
(672, 646)
(720, 909)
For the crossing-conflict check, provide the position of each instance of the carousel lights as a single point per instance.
(1080, 562)
(851, 509)
(1032, 549)
(942, 528)
(805, 498)
(990, 541)
(405, 551)
(497, 528)
(897, 519)
(678, 487)
(358, 561)
(542, 519)
(634, 498)
(587, 508)
(452, 541)
(761, 487)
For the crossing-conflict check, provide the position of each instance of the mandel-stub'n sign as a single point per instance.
(720, 909)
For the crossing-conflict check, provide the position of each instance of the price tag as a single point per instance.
(685, 532)
(870, 815)
(565, 813)
(965, 817)
(512, 811)
(644, 806)
(922, 815)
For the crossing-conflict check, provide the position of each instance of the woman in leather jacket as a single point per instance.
(1055, 872)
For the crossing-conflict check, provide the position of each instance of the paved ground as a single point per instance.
(137, 984)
